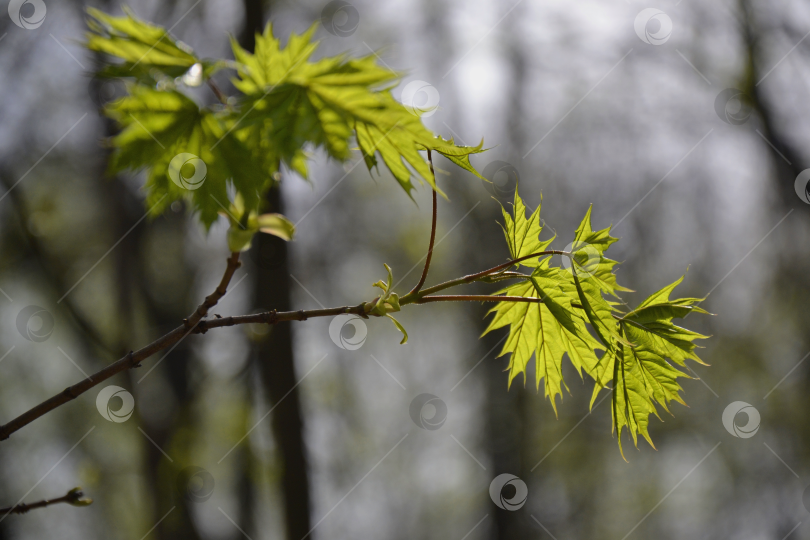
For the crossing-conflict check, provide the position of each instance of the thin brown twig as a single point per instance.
(418, 286)
(212, 299)
(197, 324)
(275, 317)
(74, 497)
(131, 360)
(217, 92)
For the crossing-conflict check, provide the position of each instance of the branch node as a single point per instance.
(359, 309)
(134, 363)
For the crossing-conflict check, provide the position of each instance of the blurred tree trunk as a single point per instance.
(508, 417)
(276, 362)
(505, 416)
(792, 289)
(785, 173)
(275, 352)
(126, 209)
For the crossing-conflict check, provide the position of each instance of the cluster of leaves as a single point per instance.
(288, 104)
(637, 351)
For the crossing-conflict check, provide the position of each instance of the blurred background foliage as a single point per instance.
(585, 112)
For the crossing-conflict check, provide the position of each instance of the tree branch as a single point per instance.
(275, 317)
(197, 324)
(131, 360)
(418, 286)
(212, 299)
(73, 497)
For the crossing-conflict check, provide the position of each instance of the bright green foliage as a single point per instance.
(159, 125)
(296, 101)
(547, 329)
(288, 104)
(523, 234)
(637, 351)
(642, 376)
(388, 302)
(225, 157)
(142, 47)
(242, 230)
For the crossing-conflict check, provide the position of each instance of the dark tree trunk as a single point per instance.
(276, 362)
(275, 353)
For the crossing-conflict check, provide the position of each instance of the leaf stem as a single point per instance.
(217, 92)
(411, 298)
(418, 286)
(477, 298)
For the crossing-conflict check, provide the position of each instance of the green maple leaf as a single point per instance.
(294, 101)
(592, 273)
(158, 126)
(640, 347)
(288, 104)
(143, 48)
(589, 249)
(522, 233)
(548, 328)
(643, 374)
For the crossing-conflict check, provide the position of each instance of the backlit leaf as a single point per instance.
(636, 353)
